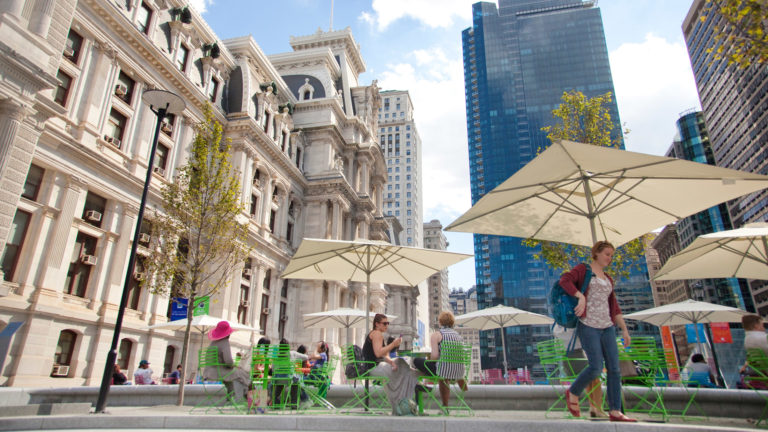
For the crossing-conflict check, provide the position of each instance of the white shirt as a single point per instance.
(756, 339)
(142, 376)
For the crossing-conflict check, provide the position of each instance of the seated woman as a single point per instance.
(433, 366)
(401, 387)
(317, 375)
(235, 379)
(699, 374)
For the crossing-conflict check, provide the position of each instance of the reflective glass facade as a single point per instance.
(519, 58)
(693, 144)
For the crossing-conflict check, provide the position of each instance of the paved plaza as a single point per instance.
(173, 418)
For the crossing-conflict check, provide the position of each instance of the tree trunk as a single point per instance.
(185, 349)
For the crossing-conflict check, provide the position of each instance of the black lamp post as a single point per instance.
(162, 103)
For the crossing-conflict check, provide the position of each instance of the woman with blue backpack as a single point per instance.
(599, 313)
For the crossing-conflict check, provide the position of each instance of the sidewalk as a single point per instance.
(171, 417)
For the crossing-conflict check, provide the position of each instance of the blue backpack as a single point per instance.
(562, 304)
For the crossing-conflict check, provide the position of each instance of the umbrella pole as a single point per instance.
(714, 357)
(367, 318)
(504, 354)
(588, 197)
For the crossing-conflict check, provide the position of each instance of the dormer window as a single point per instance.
(306, 91)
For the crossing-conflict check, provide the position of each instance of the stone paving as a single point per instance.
(173, 418)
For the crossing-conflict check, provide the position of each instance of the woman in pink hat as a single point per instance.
(235, 379)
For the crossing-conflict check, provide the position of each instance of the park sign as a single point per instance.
(179, 307)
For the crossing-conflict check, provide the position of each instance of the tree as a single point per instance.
(741, 36)
(200, 236)
(588, 121)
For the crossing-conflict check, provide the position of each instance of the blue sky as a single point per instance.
(415, 45)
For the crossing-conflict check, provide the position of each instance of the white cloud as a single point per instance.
(654, 84)
(435, 81)
(201, 6)
(429, 12)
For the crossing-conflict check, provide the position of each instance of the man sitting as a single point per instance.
(699, 374)
(143, 374)
(754, 338)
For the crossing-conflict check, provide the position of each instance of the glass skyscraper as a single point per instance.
(519, 58)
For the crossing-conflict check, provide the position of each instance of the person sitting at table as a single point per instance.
(316, 373)
(143, 374)
(174, 377)
(118, 377)
(699, 373)
(235, 379)
(401, 387)
(754, 338)
(447, 371)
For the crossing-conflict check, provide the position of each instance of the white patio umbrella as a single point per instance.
(740, 253)
(338, 318)
(578, 193)
(688, 312)
(367, 261)
(501, 316)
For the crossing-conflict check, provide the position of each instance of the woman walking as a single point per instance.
(599, 313)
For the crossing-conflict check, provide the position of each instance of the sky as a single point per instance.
(415, 45)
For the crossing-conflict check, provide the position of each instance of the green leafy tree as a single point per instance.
(588, 121)
(741, 36)
(201, 235)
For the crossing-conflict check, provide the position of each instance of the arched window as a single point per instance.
(307, 95)
(65, 348)
(124, 353)
(170, 355)
(306, 91)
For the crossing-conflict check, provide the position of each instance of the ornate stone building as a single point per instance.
(75, 139)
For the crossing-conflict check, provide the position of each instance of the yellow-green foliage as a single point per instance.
(741, 36)
(198, 240)
(588, 121)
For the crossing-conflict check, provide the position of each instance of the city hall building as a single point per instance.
(75, 139)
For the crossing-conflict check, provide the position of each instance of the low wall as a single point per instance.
(715, 402)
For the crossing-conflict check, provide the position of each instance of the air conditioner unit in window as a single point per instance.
(93, 216)
(266, 311)
(88, 259)
(247, 272)
(159, 170)
(69, 52)
(60, 370)
(144, 238)
(166, 127)
(112, 140)
(138, 275)
(245, 303)
(121, 90)
(284, 318)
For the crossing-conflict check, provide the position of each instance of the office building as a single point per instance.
(692, 142)
(437, 284)
(735, 106)
(519, 59)
(74, 143)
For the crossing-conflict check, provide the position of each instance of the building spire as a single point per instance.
(330, 27)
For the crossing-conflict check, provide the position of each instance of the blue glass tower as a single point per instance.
(519, 58)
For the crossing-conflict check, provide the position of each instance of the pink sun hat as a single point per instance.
(222, 330)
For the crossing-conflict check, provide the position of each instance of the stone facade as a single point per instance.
(75, 139)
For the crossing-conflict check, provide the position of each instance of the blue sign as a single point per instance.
(691, 333)
(178, 308)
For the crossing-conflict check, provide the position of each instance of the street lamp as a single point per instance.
(162, 103)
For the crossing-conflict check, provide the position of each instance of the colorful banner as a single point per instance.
(669, 353)
(721, 333)
(178, 308)
(201, 306)
(691, 333)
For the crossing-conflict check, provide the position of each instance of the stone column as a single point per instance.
(256, 291)
(52, 273)
(12, 8)
(335, 222)
(40, 21)
(99, 75)
(11, 116)
(364, 177)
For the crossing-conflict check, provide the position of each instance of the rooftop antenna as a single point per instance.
(330, 29)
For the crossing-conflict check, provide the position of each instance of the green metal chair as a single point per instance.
(561, 371)
(282, 379)
(757, 379)
(373, 398)
(451, 353)
(649, 361)
(317, 382)
(218, 397)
